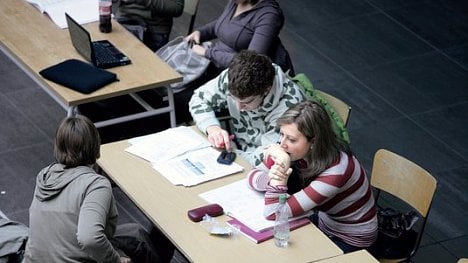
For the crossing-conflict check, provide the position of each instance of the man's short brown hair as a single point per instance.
(250, 74)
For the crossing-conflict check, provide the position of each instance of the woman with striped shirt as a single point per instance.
(319, 172)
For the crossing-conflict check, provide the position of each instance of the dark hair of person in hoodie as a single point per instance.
(250, 74)
(77, 142)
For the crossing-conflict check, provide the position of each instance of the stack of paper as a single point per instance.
(242, 203)
(181, 155)
(168, 144)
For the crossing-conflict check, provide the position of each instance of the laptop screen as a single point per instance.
(80, 38)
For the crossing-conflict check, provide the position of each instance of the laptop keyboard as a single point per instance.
(104, 55)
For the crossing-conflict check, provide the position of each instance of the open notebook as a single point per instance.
(185, 159)
(84, 11)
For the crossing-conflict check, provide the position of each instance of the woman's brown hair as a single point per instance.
(314, 123)
(77, 142)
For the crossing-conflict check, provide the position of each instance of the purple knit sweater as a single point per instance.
(256, 29)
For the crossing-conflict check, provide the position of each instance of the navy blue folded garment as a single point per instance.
(78, 75)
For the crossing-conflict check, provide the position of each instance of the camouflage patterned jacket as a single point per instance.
(253, 129)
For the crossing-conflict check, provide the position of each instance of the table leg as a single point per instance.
(170, 95)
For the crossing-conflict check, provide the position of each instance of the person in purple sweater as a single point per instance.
(244, 24)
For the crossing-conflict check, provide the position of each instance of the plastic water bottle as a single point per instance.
(281, 229)
(105, 11)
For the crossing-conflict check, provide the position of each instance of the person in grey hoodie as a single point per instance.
(73, 215)
(256, 93)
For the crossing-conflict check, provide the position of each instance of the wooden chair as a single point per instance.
(343, 109)
(407, 181)
(190, 8)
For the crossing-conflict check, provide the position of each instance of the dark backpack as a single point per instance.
(396, 237)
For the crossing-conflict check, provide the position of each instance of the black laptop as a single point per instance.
(103, 54)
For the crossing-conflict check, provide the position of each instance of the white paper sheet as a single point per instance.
(163, 146)
(181, 155)
(195, 167)
(83, 11)
(242, 203)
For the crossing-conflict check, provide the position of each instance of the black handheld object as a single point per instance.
(226, 157)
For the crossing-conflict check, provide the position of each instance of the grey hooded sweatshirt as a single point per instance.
(72, 216)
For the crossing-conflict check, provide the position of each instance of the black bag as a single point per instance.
(78, 75)
(396, 237)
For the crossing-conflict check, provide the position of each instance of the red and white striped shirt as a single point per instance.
(342, 195)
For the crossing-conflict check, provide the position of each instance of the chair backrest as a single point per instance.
(407, 181)
(404, 179)
(331, 104)
(343, 109)
(190, 8)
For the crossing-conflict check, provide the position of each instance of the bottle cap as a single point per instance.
(282, 198)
